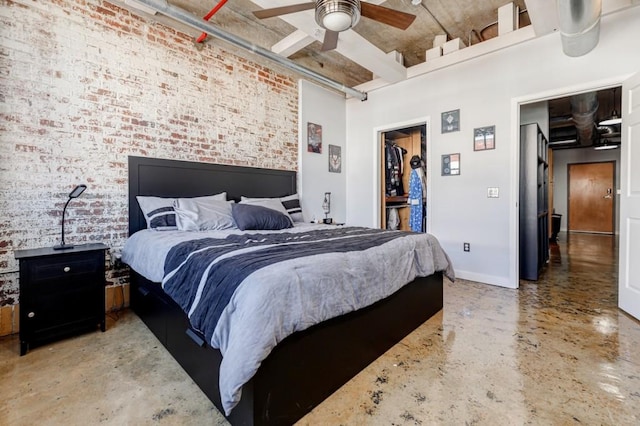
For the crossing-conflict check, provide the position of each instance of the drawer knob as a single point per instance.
(31, 314)
(67, 268)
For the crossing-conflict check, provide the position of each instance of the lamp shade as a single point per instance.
(75, 193)
(326, 203)
(614, 118)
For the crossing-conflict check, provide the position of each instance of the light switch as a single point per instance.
(493, 192)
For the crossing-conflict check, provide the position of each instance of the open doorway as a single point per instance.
(579, 132)
(403, 178)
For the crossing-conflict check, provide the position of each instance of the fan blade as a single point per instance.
(330, 41)
(382, 14)
(284, 10)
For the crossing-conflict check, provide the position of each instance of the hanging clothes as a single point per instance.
(394, 164)
(417, 195)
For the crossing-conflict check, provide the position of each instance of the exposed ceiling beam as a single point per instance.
(294, 42)
(350, 44)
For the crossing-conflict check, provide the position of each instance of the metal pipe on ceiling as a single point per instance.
(583, 110)
(181, 15)
(579, 22)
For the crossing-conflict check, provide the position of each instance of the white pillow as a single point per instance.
(292, 205)
(159, 212)
(197, 214)
(270, 203)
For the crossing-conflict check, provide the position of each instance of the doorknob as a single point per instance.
(609, 192)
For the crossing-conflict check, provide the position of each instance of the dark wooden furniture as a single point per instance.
(534, 201)
(308, 366)
(61, 292)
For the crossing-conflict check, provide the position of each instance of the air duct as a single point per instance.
(579, 22)
(181, 15)
(583, 110)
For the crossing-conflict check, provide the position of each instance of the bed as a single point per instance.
(305, 367)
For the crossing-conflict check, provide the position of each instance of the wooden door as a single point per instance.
(591, 197)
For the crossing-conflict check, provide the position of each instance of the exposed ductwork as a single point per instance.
(181, 15)
(583, 110)
(579, 22)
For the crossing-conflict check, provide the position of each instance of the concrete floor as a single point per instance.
(556, 351)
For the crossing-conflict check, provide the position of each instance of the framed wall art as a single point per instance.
(484, 138)
(451, 164)
(314, 138)
(450, 121)
(335, 159)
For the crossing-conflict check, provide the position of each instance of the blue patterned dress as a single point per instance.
(415, 200)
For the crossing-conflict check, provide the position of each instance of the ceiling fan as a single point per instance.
(340, 15)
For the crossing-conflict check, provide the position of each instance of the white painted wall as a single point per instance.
(321, 106)
(537, 112)
(488, 91)
(562, 158)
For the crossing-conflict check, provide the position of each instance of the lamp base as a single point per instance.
(63, 247)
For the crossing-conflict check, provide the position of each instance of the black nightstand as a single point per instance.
(61, 292)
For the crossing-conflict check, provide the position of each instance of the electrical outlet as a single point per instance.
(466, 246)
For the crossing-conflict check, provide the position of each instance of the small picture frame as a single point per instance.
(484, 138)
(314, 138)
(335, 159)
(450, 121)
(451, 164)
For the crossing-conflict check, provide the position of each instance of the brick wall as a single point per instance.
(84, 84)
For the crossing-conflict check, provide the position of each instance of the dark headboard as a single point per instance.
(172, 178)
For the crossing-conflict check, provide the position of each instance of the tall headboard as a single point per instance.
(173, 178)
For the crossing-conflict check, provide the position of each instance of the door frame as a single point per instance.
(516, 103)
(377, 184)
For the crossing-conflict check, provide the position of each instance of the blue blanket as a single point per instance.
(202, 275)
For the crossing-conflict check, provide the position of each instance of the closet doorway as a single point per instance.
(403, 153)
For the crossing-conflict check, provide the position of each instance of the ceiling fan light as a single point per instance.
(337, 15)
(337, 21)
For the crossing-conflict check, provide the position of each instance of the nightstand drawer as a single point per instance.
(66, 267)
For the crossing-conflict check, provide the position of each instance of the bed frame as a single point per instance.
(306, 367)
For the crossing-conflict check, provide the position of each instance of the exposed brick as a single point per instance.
(93, 84)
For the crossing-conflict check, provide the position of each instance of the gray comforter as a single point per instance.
(281, 297)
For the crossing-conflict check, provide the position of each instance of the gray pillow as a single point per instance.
(198, 214)
(271, 203)
(159, 212)
(291, 204)
(254, 217)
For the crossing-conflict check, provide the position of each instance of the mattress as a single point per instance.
(313, 273)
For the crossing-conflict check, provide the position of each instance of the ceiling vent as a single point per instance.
(579, 22)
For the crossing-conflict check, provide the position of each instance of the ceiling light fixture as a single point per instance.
(337, 15)
(605, 146)
(615, 117)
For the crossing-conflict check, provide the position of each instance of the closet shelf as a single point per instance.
(397, 199)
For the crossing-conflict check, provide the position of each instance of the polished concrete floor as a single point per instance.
(556, 351)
